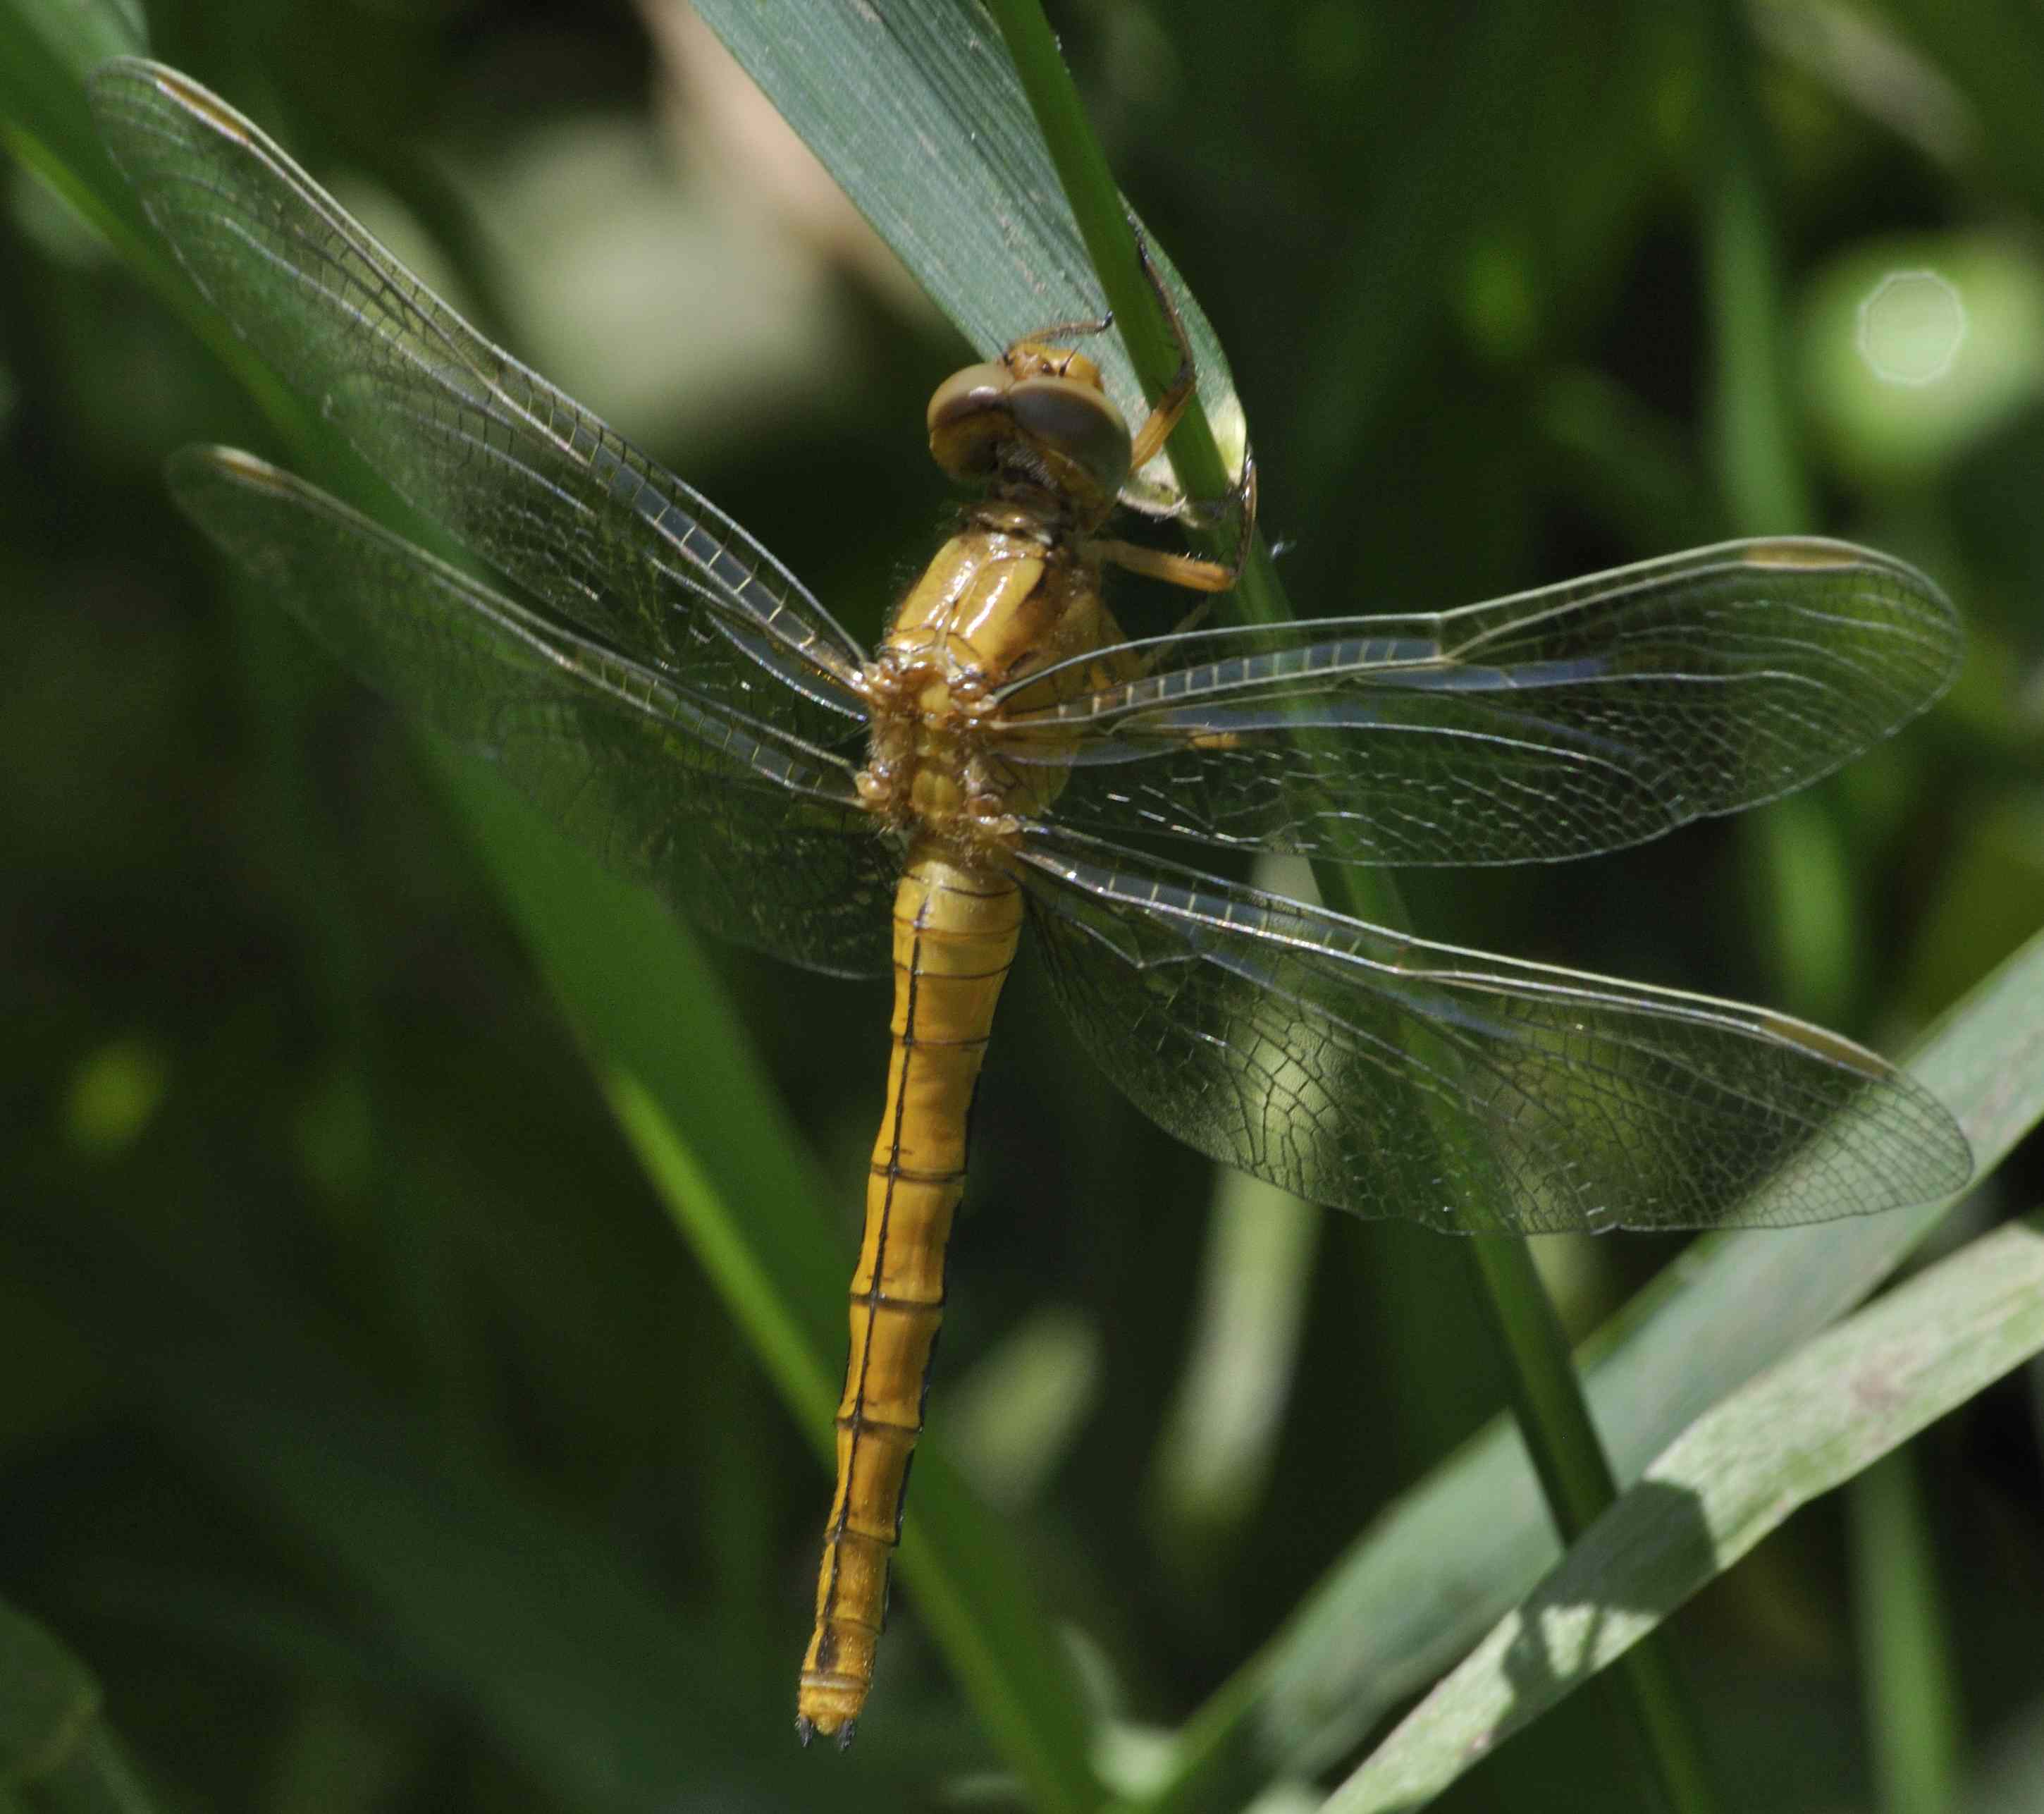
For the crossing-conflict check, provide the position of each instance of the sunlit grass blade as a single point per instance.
(916, 114)
(1841, 1403)
(1452, 1555)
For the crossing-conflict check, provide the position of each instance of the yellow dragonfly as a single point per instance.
(683, 704)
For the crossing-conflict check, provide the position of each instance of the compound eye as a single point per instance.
(1077, 421)
(968, 419)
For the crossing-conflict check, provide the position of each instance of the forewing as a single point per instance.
(533, 482)
(1392, 1076)
(756, 835)
(1553, 724)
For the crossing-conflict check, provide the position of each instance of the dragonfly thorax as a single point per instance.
(928, 771)
(1008, 596)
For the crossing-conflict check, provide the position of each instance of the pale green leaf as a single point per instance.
(83, 33)
(1840, 1404)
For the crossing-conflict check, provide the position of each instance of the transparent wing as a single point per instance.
(534, 483)
(1392, 1077)
(1552, 723)
(731, 820)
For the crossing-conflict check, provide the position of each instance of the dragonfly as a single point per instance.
(678, 700)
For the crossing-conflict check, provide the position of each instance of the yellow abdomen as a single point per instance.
(955, 928)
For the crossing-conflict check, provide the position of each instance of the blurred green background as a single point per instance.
(365, 1426)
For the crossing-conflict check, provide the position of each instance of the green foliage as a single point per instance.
(366, 1430)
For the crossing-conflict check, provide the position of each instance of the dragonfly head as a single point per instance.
(1038, 416)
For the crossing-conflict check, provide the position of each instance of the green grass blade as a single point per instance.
(1452, 1555)
(46, 49)
(45, 52)
(1554, 1419)
(1551, 1407)
(1912, 1713)
(918, 115)
(57, 1753)
(1759, 471)
(1843, 1401)
(85, 32)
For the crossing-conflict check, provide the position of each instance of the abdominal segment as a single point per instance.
(956, 929)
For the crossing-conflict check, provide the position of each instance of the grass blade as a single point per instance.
(1912, 1714)
(917, 114)
(56, 1751)
(1843, 1401)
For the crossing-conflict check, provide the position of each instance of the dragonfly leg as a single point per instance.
(1164, 413)
(1193, 618)
(1188, 571)
(1059, 331)
(1192, 571)
(1239, 504)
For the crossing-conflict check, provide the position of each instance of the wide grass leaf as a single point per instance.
(1841, 1403)
(914, 108)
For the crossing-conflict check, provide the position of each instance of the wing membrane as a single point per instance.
(1552, 723)
(534, 483)
(753, 833)
(1390, 1076)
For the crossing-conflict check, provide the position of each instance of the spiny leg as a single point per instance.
(1193, 572)
(1043, 339)
(1240, 502)
(1149, 440)
(1188, 571)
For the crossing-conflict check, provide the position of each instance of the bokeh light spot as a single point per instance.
(1911, 326)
